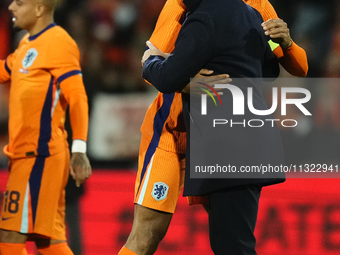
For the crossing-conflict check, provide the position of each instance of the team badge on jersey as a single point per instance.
(160, 191)
(30, 57)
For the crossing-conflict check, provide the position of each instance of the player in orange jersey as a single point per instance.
(162, 151)
(45, 78)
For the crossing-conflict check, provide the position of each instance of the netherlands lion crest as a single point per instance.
(160, 191)
(31, 55)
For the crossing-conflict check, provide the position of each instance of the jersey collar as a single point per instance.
(33, 37)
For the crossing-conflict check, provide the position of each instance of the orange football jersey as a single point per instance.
(45, 77)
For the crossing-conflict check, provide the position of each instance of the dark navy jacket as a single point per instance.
(225, 36)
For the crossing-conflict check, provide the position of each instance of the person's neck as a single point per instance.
(41, 24)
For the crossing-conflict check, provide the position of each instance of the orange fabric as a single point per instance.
(5, 65)
(12, 249)
(4, 75)
(48, 202)
(37, 67)
(56, 249)
(266, 10)
(168, 25)
(126, 251)
(293, 59)
(75, 95)
(164, 167)
(172, 133)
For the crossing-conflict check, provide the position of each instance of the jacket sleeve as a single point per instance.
(270, 67)
(193, 50)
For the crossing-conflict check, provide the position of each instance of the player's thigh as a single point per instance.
(159, 179)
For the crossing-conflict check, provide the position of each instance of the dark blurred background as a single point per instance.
(111, 35)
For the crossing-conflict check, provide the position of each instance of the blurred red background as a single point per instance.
(300, 216)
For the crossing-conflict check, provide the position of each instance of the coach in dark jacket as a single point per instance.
(225, 36)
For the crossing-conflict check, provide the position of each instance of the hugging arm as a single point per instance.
(193, 49)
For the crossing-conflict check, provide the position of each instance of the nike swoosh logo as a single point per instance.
(3, 219)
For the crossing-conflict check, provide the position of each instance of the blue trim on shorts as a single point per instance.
(35, 184)
(46, 123)
(159, 121)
